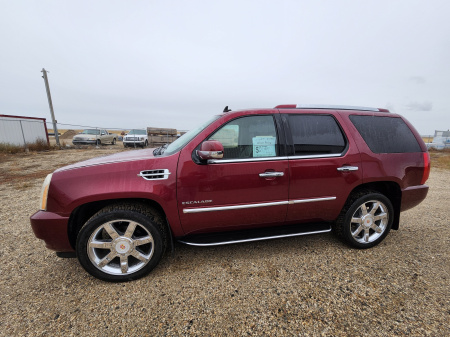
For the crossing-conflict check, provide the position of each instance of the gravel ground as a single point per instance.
(305, 286)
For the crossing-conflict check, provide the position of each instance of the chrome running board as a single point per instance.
(227, 238)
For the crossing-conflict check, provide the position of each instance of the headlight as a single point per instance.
(142, 138)
(44, 192)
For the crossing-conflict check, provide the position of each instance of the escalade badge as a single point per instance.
(196, 202)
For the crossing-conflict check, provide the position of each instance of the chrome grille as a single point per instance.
(155, 174)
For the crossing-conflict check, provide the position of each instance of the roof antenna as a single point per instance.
(226, 109)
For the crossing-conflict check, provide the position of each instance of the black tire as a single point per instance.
(146, 143)
(122, 242)
(125, 145)
(114, 141)
(365, 220)
(98, 142)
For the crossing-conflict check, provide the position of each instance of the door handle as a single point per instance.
(271, 174)
(348, 168)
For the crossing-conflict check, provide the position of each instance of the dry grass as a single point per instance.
(440, 158)
(38, 146)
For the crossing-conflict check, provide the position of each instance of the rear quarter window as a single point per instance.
(386, 134)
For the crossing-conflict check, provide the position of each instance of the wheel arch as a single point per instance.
(388, 188)
(84, 212)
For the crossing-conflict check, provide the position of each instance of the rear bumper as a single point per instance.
(412, 196)
(52, 228)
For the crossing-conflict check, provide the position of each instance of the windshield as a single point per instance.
(137, 132)
(91, 132)
(187, 137)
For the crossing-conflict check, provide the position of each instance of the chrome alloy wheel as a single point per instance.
(120, 247)
(369, 221)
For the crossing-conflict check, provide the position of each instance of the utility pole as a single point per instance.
(50, 104)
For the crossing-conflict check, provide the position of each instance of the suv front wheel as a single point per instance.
(121, 243)
(365, 220)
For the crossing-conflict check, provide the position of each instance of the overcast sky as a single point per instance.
(133, 64)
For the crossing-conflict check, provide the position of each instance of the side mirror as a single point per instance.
(211, 149)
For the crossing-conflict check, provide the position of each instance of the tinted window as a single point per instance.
(386, 134)
(248, 137)
(316, 134)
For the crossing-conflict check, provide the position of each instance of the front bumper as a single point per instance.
(132, 143)
(75, 142)
(52, 228)
(412, 196)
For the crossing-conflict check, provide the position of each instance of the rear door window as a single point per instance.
(386, 134)
(316, 135)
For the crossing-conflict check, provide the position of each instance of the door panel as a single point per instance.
(225, 186)
(248, 187)
(325, 166)
(318, 189)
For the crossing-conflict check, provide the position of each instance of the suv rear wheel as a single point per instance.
(121, 243)
(365, 220)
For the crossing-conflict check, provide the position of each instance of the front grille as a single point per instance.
(131, 139)
(155, 174)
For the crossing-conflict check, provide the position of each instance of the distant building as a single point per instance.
(442, 133)
(19, 130)
(440, 141)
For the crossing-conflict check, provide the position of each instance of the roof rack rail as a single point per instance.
(334, 107)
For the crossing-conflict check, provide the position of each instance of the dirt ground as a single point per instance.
(304, 286)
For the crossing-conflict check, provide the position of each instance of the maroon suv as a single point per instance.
(242, 176)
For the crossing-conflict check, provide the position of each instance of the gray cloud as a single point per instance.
(420, 106)
(417, 79)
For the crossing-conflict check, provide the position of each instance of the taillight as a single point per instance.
(426, 169)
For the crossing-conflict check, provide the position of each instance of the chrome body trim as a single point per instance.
(228, 208)
(271, 174)
(312, 156)
(245, 160)
(335, 107)
(348, 168)
(265, 204)
(302, 201)
(254, 239)
(160, 174)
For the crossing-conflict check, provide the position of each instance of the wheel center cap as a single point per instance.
(123, 246)
(367, 221)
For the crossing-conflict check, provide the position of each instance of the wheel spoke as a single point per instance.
(111, 231)
(376, 228)
(366, 235)
(139, 256)
(107, 259)
(363, 209)
(374, 208)
(123, 264)
(130, 229)
(380, 216)
(357, 220)
(358, 230)
(143, 241)
(100, 244)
